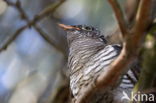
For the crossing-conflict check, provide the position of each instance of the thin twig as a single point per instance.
(47, 11)
(24, 16)
(11, 38)
(49, 39)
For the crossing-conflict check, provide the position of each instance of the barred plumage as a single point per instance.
(89, 56)
(95, 65)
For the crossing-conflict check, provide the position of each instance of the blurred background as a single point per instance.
(32, 68)
(33, 49)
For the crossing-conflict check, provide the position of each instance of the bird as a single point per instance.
(89, 55)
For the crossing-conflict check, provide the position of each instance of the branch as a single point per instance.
(143, 18)
(119, 16)
(18, 6)
(131, 7)
(50, 9)
(11, 38)
(130, 49)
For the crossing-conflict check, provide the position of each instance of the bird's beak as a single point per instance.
(68, 27)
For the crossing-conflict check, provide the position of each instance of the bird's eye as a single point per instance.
(88, 28)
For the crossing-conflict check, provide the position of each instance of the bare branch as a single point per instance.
(143, 18)
(48, 39)
(17, 5)
(129, 51)
(131, 7)
(11, 38)
(50, 9)
(119, 16)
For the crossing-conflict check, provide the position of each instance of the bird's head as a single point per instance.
(82, 32)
